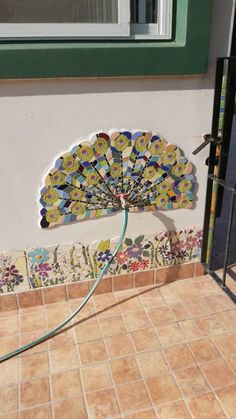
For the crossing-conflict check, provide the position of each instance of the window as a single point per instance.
(185, 53)
(132, 19)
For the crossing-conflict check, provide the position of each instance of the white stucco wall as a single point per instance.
(41, 118)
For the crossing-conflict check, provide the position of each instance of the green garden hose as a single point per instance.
(90, 293)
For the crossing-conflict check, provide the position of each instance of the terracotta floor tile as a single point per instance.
(145, 339)
(175, 410)
(28, 337)
(170, 334)
(9, 326)
(206, 287)
(96, 377)
(34, 392)
(160, 316)
(62, 339)
(218, 373)
(136, 320)
(210, 324)
(102, 404)
(133, 396)
(192, 382)
(29, 323)
(112, 326)
(9, 398)
(163, 389)
(152, 298)
(189, 329)
(132, 303)
(106, 307)
(10, 415)
(184, 290)
(66, 384)
(145, 414)
(87, 311)
(228, 319)
(56, 313)
(179, 356)
(124, 370)
(151, 363)
(179, 312)
(204, 350)
(63, 359)
(226, 343)
(120, 345)
(87, 331)
(168, 295)
(70, 408)
(200, 407)
(8, 344)
(227, 398)
(9, 371)
(232, 363)
(91, 352)
(34, 366)
(219, 302)
(196, 307)
(41, 412)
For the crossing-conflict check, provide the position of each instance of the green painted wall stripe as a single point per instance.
(186, 54)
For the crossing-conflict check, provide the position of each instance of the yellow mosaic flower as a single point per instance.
(156, 147)
(78, 209)
(101, 145)
(183, 202)
(141, 143)
(69, 164)
(92, 178)
(185, 185)
(178, 169)
(85, 153)
(164, 187)
(104, 245)
(53, 215)
(50, 196)
(149, 172)
(168, 157)
(162, 200)
(76, 194)
(58, 178)
(121, 142)
(115, 169)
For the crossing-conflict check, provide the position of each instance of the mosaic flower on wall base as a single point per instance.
(13, 272)
(42, 267)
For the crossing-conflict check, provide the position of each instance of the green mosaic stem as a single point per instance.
(52, 332)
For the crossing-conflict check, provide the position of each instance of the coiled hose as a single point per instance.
(52, 332)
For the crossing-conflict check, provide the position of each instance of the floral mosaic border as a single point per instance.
(40, 267)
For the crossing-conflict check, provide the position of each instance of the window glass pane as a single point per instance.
(143, 11)
(59, 11)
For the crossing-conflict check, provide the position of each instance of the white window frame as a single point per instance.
(70, 30)
(122, 29)
(160, 30)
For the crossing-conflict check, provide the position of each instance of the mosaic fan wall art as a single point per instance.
(86, 182)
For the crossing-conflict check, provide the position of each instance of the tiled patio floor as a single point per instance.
(155, 352)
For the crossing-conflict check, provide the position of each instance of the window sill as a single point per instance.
(186, 54)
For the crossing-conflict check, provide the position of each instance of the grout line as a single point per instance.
(110, 373)
(212, 389)
(80, 367)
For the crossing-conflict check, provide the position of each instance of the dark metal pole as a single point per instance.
(228, 237)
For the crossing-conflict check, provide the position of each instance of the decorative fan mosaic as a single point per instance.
(87, 182)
